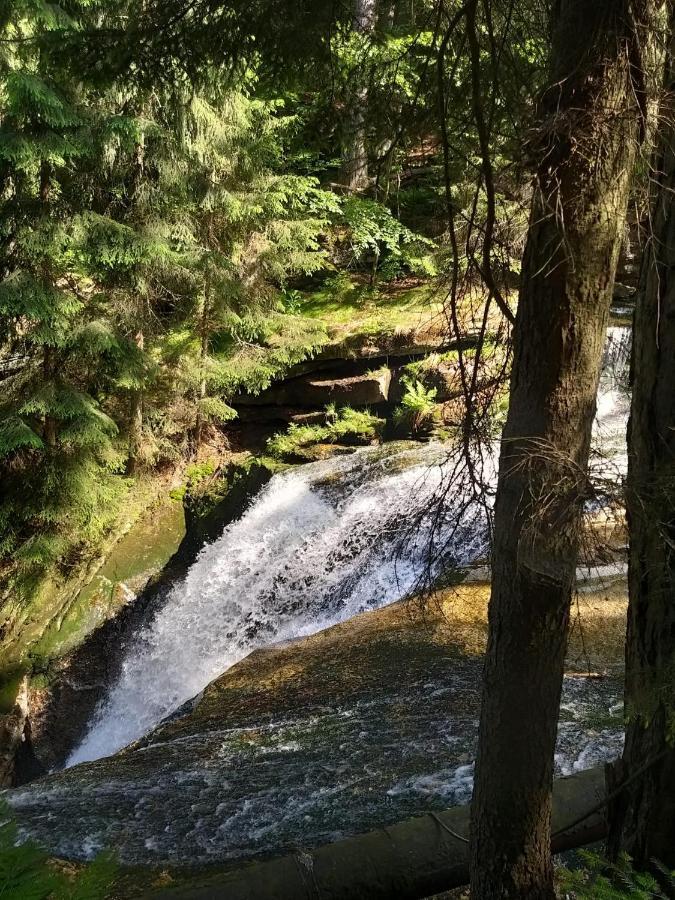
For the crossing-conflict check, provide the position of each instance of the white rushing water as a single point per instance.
(610, 458)
(319, 544)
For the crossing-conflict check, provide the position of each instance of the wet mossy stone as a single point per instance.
(211, 508)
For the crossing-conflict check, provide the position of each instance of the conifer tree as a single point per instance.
(55, 441)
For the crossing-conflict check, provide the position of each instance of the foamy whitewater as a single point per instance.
(319, 544)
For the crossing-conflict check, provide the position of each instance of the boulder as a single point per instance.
(310, 392)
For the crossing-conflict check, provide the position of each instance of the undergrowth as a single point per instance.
(345, 425)
(598, 879)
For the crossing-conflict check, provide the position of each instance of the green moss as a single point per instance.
(10, 682)
(27, 873)
(344, 301)
(40, 681)
(143, 551)
(209, 486)
(195, 475)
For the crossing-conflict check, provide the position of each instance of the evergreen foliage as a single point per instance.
(599, 879)
(149, 235)
(161, 217)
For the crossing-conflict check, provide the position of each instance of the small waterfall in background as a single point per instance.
(319, 544)
(610, 457)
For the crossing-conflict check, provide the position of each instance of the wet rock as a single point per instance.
(317, 452)
(62, 701)
(17, 761)
(623, 291)
(356, 727)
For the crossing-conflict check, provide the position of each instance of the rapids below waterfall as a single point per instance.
(319, 544)
(350, 728)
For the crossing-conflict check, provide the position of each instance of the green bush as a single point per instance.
(599, 879)
(346, 425)
(379, 239)
(418, 407)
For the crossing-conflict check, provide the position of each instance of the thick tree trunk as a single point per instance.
(586, 150)
(355, 149)
(643, 819)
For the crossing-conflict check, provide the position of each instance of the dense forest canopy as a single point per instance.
(156, 223)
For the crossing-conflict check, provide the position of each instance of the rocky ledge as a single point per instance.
(358, 726)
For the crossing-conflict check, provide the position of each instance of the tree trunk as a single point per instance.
(137, 396)
(45, 184)
(203, 328)
(355, 150)
(136, 416)
(586, 148)
(643, 819)
(49, 374)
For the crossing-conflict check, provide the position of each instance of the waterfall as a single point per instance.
(319, 544)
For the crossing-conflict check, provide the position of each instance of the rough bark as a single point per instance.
(49, 433)
(413, 859)
(137, 396)
(643, 819)
(585, 149)
(136, 415)
(48, 351)
(355, 149)
(203, 313)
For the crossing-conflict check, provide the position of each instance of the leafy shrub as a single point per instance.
(599, 879)
(377, 236)
(346, 425)
(418, 407)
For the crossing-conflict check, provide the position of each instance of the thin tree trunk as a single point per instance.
(355, 150)
(45, 184)
(48, 352)
(137, 396)
(136, 416)
(203, 320)
(48, 374)
(643, 819)
(586, 150)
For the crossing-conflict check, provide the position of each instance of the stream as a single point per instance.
(319, 544)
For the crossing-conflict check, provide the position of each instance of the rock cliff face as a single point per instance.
(358, 726)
